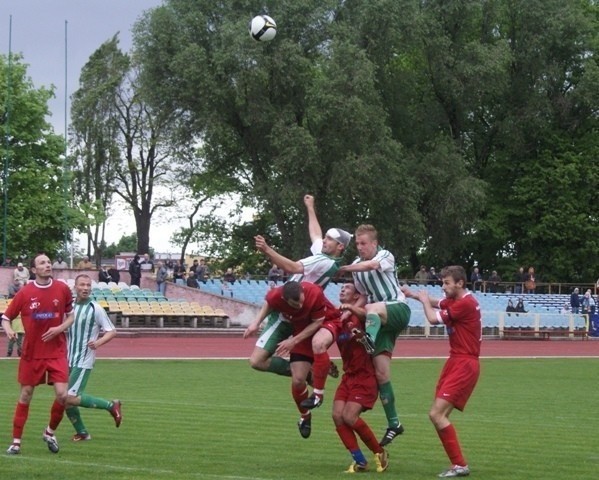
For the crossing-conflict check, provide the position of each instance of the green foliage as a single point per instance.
(250, 432)
(127, 243)
(37, 212)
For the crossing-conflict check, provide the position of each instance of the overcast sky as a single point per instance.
(38, 32)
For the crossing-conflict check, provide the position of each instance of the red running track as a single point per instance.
(237, 347)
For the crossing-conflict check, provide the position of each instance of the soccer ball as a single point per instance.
(263, 28)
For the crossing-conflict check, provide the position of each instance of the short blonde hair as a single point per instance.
(367, 229)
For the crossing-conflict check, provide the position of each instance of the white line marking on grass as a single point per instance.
(100, 466)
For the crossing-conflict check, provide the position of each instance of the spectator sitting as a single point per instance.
(510, 307)
(85, 264)
(421, 275)
(275, 273)
(59, 264)
(191, 280)
(21, 273)
(566, 309)
(520, 306)
(229, 276)
(103, 275)
(114, 274)
(14, 287)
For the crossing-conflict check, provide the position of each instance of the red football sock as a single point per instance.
(348, 437)
(320, 370)
(449, 439)
(56, 414)
(367, 436)
(19, 420)
(299, 396)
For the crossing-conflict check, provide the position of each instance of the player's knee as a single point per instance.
(338, 418)
(257, 363)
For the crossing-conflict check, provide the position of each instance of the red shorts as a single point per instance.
(359, 389)
(335, 326)
(44, 370)
(304, 348)
(458, 379)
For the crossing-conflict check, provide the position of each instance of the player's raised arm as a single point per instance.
(285, 263)
(314, 229)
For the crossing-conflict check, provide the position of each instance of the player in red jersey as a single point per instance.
(46, 309)
(358, 389)
(305, 307)
(459, 311)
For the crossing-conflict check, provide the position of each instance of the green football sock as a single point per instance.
(75, 418)
(280, 366)
(388, 401)
(373, 325)
(88, 401)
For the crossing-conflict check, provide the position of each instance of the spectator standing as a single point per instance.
(85, 264)
(433, 278)
(476, 279)
(275, 273)
(161, 276)
(194, 266)
(229, 276)
(179, 273)
(530, 281)
(201, 271)
(575, 301)
(44, 356)
(135, 271)
(21, 273)
(460, 312)
(422, 275)
(146, 263)
(519, 279)
(17, 325)
(59, 264)
(588, 303)
(493, 281)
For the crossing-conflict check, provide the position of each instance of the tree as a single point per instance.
(36, 212)
(95, 150)
(126, 147)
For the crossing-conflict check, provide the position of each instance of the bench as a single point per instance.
(542, 334)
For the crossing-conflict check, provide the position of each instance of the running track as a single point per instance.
(237, 347)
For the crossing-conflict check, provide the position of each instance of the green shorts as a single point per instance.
(274, 332)
(398, 318)
(78, 380)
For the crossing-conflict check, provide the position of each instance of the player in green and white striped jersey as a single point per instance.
(387, 314)
(319, 268)
(83, 341)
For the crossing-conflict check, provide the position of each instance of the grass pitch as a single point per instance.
(528, 419)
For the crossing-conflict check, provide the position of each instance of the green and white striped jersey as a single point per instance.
(319, 268)
(90, 319)
(379, 285)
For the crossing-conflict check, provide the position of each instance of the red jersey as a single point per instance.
(41, 307)
(356, 361)
(463, 321)
(314, 308)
